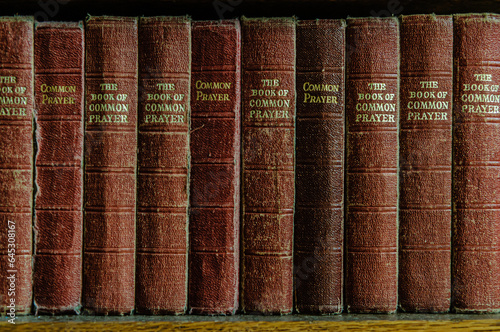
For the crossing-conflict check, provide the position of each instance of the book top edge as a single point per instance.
(485, 17)
(476, 15)
(58, 25)
(323, 22)
(168, 19)
(275, 20)
(16, 18)
(426, 19)
(363, 20)
(222, 22)
(111, 19)
(426, 16)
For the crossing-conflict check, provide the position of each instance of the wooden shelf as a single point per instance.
(73, 10)
(346, 322)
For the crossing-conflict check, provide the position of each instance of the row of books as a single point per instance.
(170, 166)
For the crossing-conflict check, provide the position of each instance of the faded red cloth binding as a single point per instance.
(319, 202)
(372, 112)
(58, 221)
(214, 225)
(268, 99)
(425, 163)
(110, 164)
(163, 164)
(16, 163)
(476, 164)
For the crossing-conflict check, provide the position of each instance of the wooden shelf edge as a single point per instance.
(257, 323)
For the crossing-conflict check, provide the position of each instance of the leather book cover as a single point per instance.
(16, 164)
(110, 164)
(58, 222)
(425, 163)
(268, 156)
(163, 164)
(476, 164)
(319, 178)
(214, 225)
(372, 113)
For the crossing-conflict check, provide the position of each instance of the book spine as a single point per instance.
(319, 213)
(59, 174)
(110, 164)
(163, 164)
(16, 164)
(425, 163)
(215, 168)
(476, 164)
(372, 112)
(268, 156)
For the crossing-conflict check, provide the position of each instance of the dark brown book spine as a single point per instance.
(425, 163)
(214, 226)
(268, 99)
(110, 164)
(476, 164)
(16, 164)
(372, 112)
(59, 174)
(163, 164)
(319, 212)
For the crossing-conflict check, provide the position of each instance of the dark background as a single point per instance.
(73, 10)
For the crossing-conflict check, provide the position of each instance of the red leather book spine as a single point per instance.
(214, 225)
(372, 112)
(268, 94)
(59, 173)
(319, 212)
(163, 164)
(425, 163)
(110, 164)
(16, 164)
(476, 164)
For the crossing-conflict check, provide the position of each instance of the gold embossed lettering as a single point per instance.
(377, 86)
(108, 86)
(57, 88)
(360, 117)
(12, 97)
(8, 80)
(307, 86)
(429, 84)
(100, 118)
(160, 106)
(212, 85)
(422, 116)
(164, 118)
(271, 104)
(308, 98)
